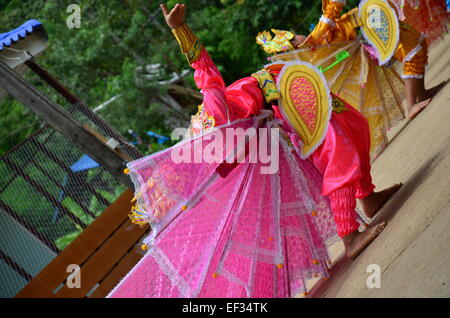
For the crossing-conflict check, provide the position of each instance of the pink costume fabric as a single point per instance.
(343, 159)
(224, 229)
(242, 99)
(247, 234)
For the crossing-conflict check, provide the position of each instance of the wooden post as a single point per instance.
(60, 119)
(52, 82)
(72, 99)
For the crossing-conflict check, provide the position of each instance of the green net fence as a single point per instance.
(49, 192)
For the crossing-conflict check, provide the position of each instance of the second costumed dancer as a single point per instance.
(375, 73)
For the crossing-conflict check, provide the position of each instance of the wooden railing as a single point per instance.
(105, 252)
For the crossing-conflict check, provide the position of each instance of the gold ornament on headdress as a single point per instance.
(281, 42)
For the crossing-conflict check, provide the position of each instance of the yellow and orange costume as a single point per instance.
(411, 48)
(376, 91)
(430, 17)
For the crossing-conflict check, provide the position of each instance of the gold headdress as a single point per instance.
(281, 42)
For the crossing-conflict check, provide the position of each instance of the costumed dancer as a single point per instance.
(428, 16)
(411, 48)
(376, 91)
(226, 229)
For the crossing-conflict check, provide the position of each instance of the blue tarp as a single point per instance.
(84, 163)
(159, 139)
(11, 37)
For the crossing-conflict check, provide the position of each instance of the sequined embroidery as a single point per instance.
(304, 98)
(338, 106)
(267, 84)
(201, 121)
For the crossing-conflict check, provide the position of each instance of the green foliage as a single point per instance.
(75, 209)
(65, 240)
(229, 30)
(98, 61)
(16, 123)
(111, 197)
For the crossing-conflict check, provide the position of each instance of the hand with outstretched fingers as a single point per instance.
(174, 18)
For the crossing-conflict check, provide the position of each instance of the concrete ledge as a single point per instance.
(413, 251)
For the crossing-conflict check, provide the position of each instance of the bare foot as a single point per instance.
(374, 202)
(426, 99)
(356, 242)
(417, 108)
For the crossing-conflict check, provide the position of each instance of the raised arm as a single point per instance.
(207, 77)
(331, 11)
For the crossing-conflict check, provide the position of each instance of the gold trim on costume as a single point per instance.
(267, 85)
(380, 28)
(201, 122)
(353, 17)
(338, 106)
(281, 42)
(305, 103)
(189, 42)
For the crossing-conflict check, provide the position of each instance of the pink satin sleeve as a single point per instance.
(343, 158)
(210, 82)
(243, 98)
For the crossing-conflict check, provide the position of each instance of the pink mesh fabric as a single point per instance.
(247, 234)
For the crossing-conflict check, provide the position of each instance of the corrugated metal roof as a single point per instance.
(11, 37)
